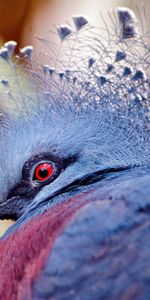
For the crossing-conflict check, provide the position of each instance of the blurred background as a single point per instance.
(20, 20)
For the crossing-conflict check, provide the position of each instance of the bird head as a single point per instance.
(61, 131)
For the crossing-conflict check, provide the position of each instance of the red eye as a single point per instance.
(43, 172)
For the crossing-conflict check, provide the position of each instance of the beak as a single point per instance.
(13, 208)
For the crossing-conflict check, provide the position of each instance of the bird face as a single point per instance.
(45, 155)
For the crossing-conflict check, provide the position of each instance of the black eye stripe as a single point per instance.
(27, 187)
(33, 162)
(58, 164)
(29, 170)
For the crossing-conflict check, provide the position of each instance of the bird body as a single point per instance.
(98, 237)
(74, 171)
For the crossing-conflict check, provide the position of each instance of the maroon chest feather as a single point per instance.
(23, 253)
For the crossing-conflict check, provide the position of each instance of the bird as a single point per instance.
(75, 166)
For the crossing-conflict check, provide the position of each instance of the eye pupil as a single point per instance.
(43, 172)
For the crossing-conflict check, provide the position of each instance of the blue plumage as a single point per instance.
(88, 115)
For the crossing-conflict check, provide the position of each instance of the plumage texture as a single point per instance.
(85, 235)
